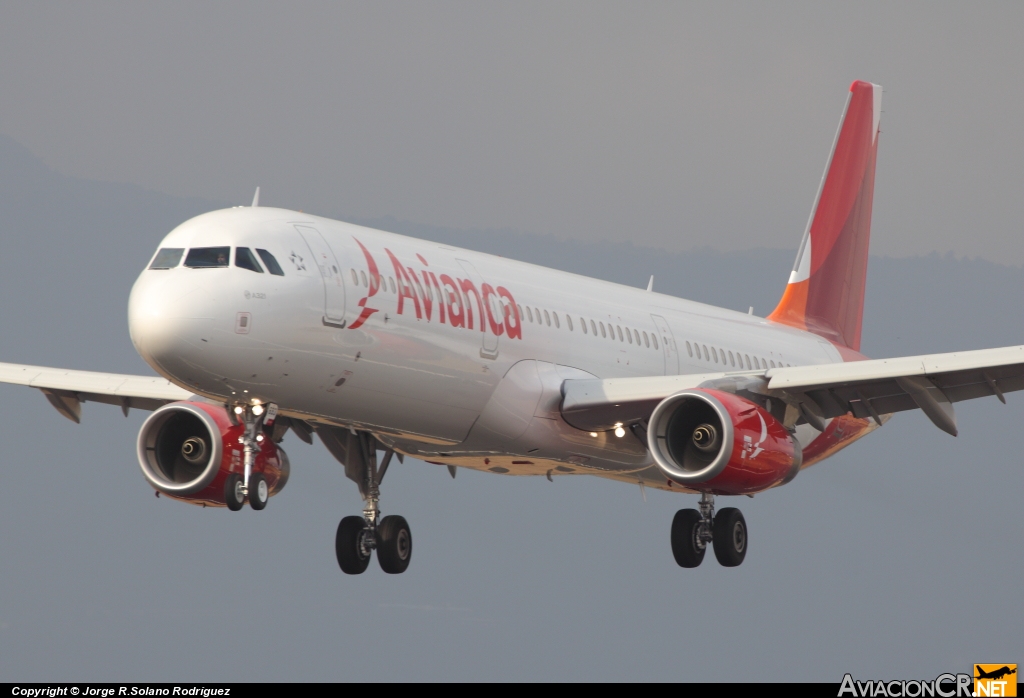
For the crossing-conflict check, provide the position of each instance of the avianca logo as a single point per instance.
(752, 450)
(455, 299)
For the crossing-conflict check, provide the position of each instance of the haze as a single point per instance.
(690, 141)
(670, 124)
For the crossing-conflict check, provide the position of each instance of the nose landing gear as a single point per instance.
(249, 484)
(692, 530)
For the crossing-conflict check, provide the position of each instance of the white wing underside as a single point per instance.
(66, 389)
(867, 389)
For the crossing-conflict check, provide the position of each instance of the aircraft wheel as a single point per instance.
(686, 546)
(394, 544)
(353, 558)
(730, 537)
(233, 495)
(259, 493)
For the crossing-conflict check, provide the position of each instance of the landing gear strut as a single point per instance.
(692, 530)
(252, 485)
(358, 537)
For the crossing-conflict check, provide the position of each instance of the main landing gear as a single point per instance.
(359, 536)
(692, 530)
(252, 485)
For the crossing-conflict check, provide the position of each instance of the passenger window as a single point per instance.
(689, 350)
(732, 361)
(537, 313)
(707, 356)
(647, 342)
(391, 283)
(772, 364)
(636, 334)
(529, 313)
(764, 364)
(603, 333)
(619, 330)
(519, 307)
(568, 321)
(547, 318)
(270, 262)
(167, 258)
(362, 276)
(654, 338)
(355, 278)
(593, 327)
(583, 324)
(244, 258)
(629, 336)
(714, 355)
(557, 326)
(747, 356)
(207, 257)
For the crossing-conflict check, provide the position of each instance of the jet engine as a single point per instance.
(188, 449)
(713, 441)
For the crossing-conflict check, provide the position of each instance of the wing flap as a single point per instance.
(866, 389)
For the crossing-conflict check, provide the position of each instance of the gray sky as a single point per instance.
(671, 124)
(897, 559)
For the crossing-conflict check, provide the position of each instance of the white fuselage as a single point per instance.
(421, 367)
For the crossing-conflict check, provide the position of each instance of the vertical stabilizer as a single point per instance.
(825, 294)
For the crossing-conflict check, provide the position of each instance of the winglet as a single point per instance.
(256, 198)
(825, 294)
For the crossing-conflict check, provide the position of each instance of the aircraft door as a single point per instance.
(489, 309)
(668, 345)
(330, 272)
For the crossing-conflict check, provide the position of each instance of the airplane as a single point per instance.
(260, 321)
(994, 674)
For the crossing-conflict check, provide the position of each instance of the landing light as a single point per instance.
(257, 410)
(239, 410)
(594, 434)
(620, 432)
(259, 437)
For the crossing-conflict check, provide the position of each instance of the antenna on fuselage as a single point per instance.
(256, 198)
(650, 284)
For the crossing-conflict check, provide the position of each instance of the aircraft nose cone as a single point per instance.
(159, 310)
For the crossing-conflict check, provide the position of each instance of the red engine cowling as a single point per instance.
(713, 441)
(188, 449)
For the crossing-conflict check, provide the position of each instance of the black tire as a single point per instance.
(685, 545)
(233, 496)
(347, 545)
(259, 493)
(394, 544)
(730, 534)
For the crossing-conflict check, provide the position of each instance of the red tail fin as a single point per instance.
(825, 294)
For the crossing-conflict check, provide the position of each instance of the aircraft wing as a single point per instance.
(66, 389)
(867, 389)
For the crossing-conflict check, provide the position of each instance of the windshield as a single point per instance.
(272, 266)
(167, 258)
(204, 257)
(245, 259)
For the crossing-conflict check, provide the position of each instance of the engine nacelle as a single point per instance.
(717, 442)
(188, 449)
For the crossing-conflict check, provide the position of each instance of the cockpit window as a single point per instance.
(205, 257)
(167, 258)
(244, 258)
(272, 266)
